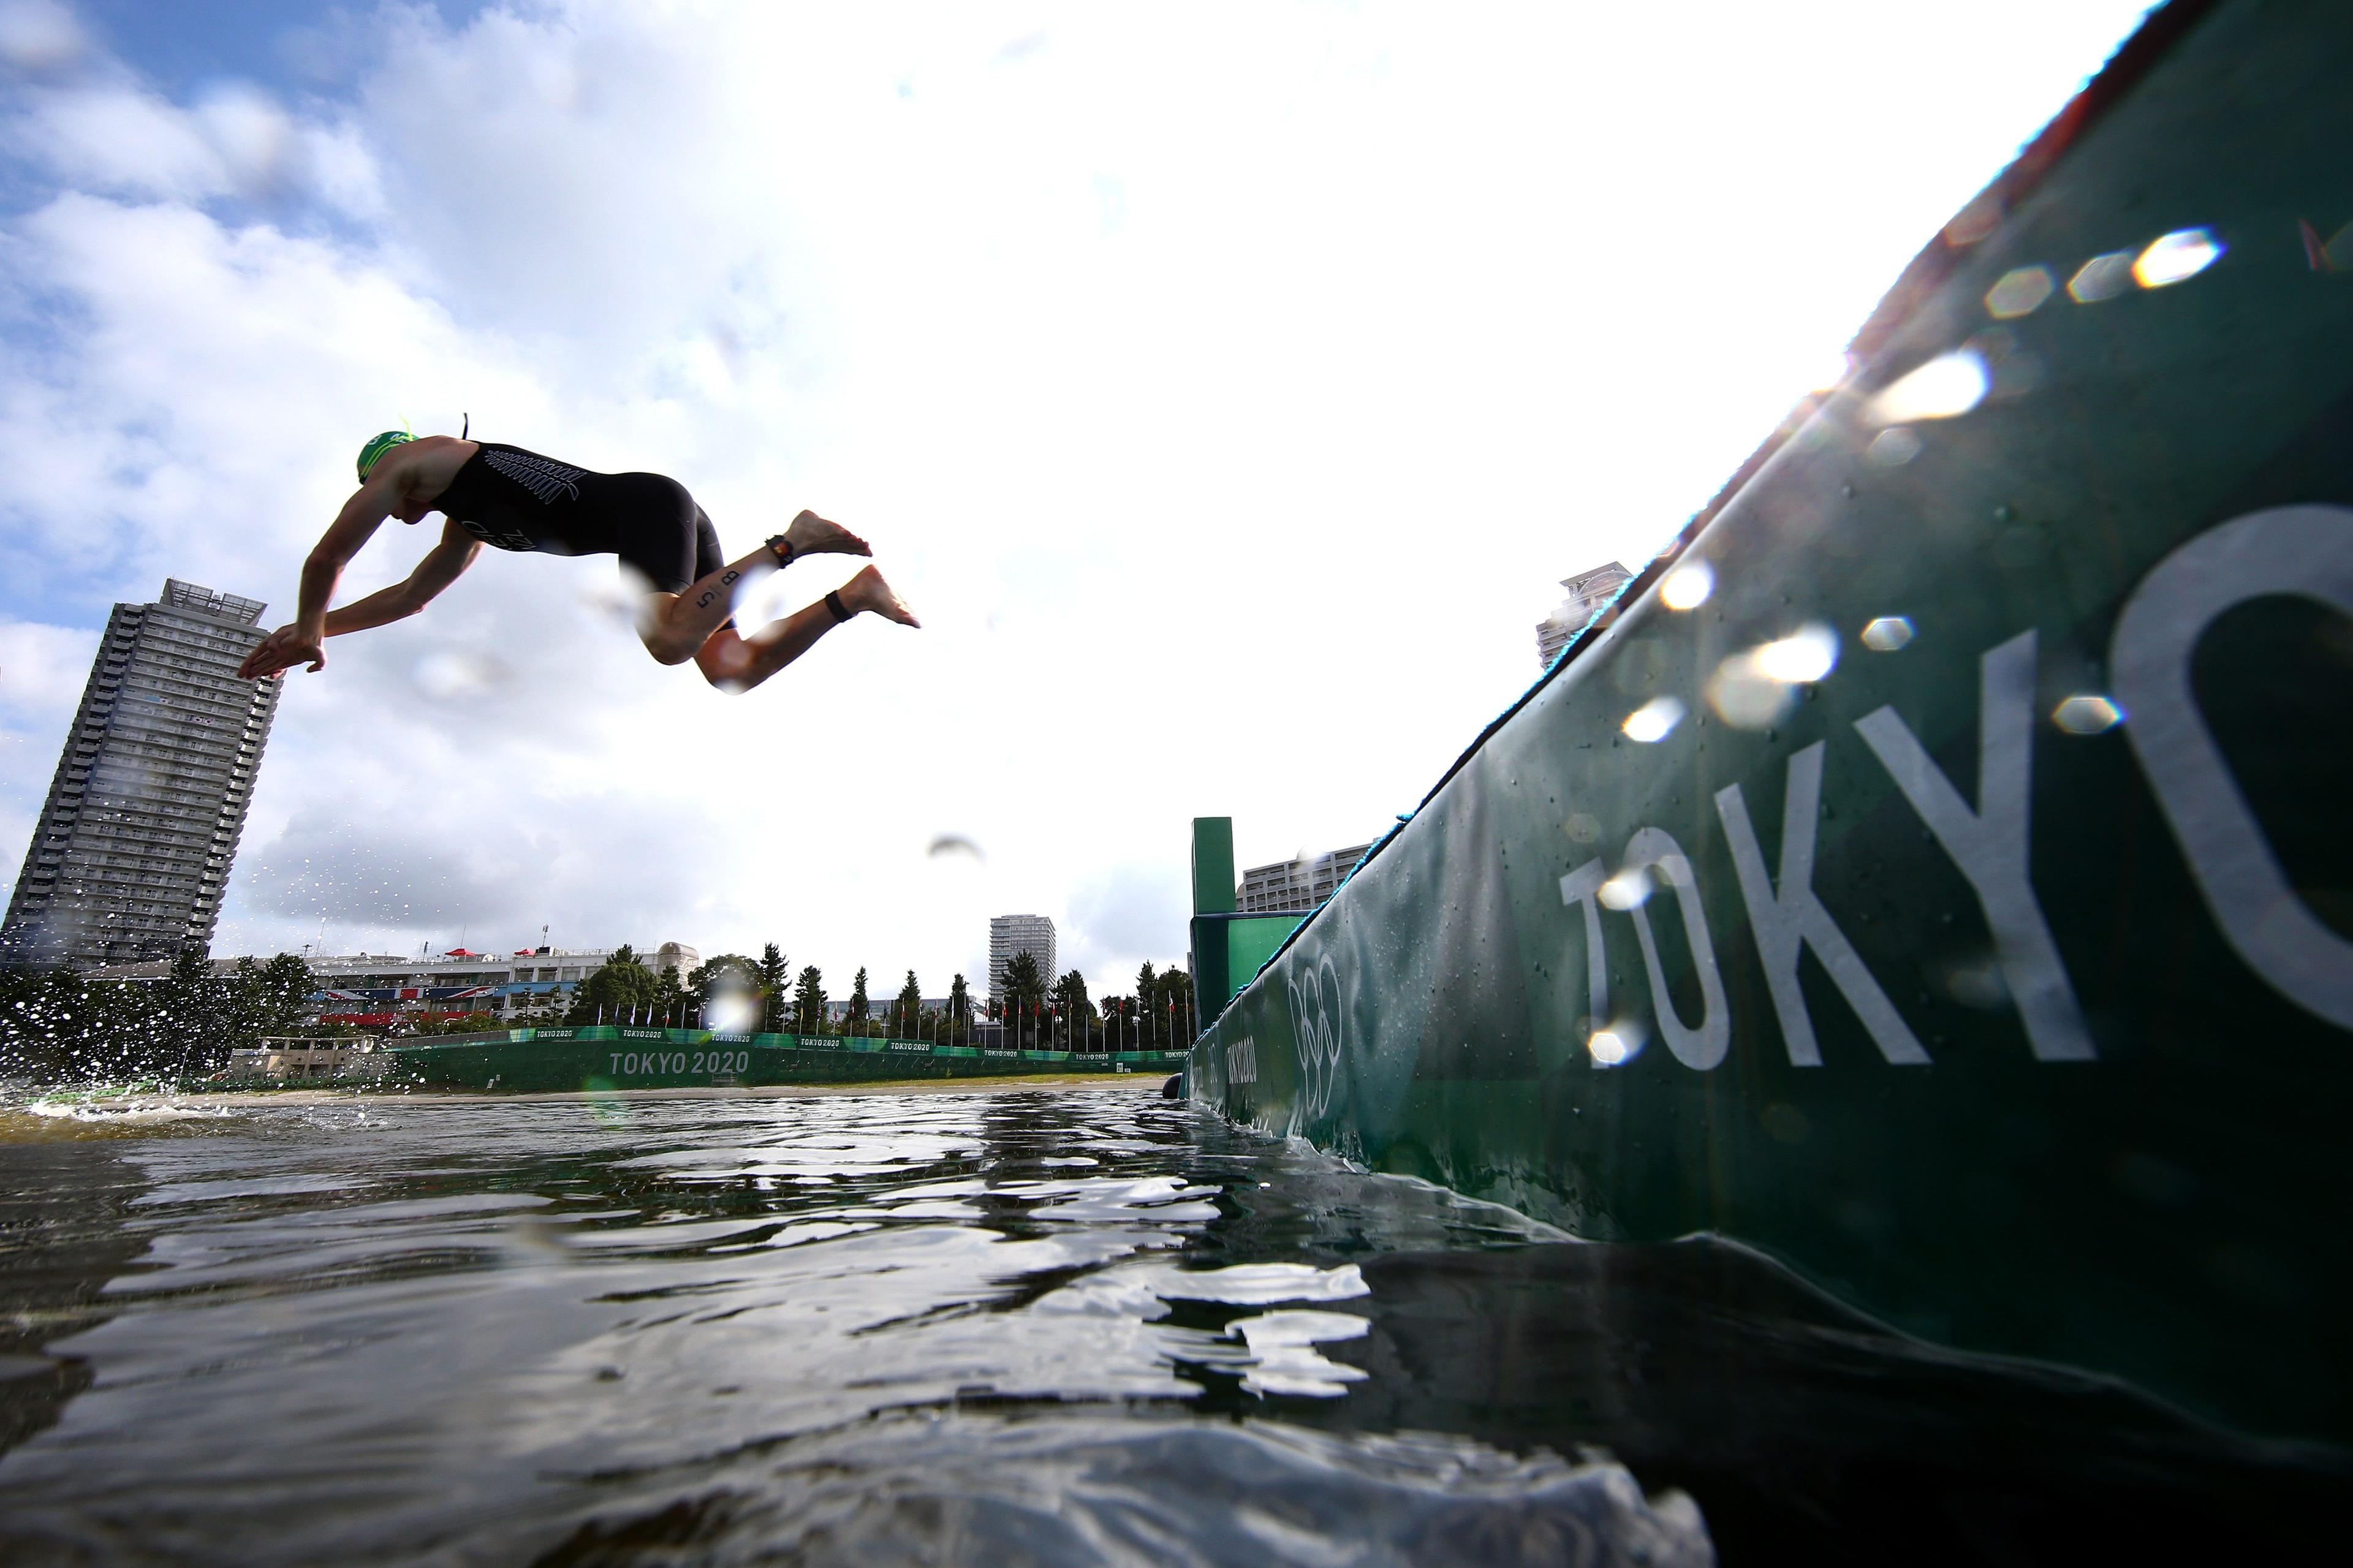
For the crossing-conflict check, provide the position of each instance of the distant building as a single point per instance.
(1009, 934)
(377, 990)
(1588, 592)
(879, 1004)
(1299, 884)
(133, 846)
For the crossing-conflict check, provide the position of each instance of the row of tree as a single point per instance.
(1157, 1015)
(57, 1026)
(761, 995)
(736, 992)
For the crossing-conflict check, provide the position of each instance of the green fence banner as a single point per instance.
(604, 1056)
(1934, 870)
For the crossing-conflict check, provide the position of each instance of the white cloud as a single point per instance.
(116, 136)
(252, 136)
(375, 868)
(41, 671)
(200, 413)
(39, 35)
(1226, 391)
(105, 132)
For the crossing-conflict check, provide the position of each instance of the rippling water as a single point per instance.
(1027, 1326)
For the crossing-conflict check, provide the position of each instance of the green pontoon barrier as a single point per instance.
(606, 1057)
(1935, 870)
(1228, 947)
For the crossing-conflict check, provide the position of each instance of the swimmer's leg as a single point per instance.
(736, 663)
(675, 627)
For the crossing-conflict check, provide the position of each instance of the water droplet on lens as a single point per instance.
(1887, 633)
(2170, 258)
(1655, 720)
(2021, 292)
(2086, 713)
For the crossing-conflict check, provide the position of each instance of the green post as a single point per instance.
(1213, 865)
(1213, 894)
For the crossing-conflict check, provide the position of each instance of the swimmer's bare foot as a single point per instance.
(867, 591)
(813, 535)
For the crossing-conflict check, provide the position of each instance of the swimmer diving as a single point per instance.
(510, 499)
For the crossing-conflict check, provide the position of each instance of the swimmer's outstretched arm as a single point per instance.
(299, 641)
(442, 565)
(403, 486)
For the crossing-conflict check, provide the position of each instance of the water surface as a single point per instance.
(1021, 1326)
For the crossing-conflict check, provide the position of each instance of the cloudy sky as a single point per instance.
(1225, 386)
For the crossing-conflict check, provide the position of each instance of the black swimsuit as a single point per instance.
(516, 499)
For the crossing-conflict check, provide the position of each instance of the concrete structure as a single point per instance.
(386, 986)
(345, 1060)
(1588, 592)
(1299, 884)
(133, 846)
(1009, 934)
(877, 1004)
(528, 981)
(383, 988)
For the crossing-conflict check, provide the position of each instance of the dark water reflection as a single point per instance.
(1008, 1327)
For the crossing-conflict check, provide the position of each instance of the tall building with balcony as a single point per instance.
(1299, 884)
(133, 846)
(1588, 593)
(1009, 934)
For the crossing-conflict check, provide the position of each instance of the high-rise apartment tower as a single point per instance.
(1588, 592)
(1009, 934)
(133, 846)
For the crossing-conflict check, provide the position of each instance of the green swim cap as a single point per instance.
(372, 453)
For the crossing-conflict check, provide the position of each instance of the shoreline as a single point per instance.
(219, 1099)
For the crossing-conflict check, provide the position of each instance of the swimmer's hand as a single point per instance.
(282, 651)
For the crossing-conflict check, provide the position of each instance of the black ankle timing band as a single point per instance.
(833, 602)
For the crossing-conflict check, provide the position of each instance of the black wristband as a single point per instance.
(779, 547)
(842, 612)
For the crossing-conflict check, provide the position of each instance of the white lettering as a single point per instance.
(2301, 550)
(1702, 1046)
(1242, 1060)
(1787, 922)
(1989, 844)
(1583, 886)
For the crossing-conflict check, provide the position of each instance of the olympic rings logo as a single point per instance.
(1318, 1030)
